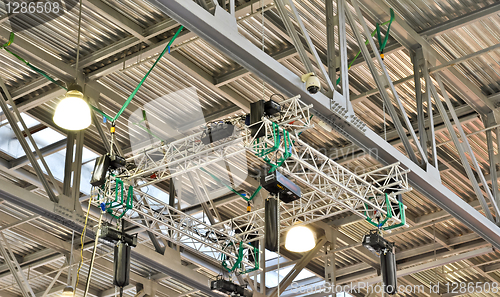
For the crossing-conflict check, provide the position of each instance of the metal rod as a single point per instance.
(93, 256)
(460, 148)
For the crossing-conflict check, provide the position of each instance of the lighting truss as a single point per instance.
(328, 188)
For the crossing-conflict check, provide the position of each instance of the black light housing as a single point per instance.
(227, 287)
(384, 249)
(277, 183)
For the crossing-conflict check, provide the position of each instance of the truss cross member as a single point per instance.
(462, 147)
(490, 121)
(11, 117)
(14, 267)
(383, 82)
(287, 281)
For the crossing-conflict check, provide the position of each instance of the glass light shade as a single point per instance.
(67, 292)
(73, 113)
(300, 239)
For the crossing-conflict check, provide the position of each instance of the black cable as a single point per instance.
(276, 94)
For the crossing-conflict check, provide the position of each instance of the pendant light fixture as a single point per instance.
(300, 239)
(68, 292)
(73, 112)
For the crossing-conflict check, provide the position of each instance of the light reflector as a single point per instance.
(73, 113)
(300, 239)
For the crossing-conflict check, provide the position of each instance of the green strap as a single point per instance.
(239, 260)
(381, 43)
(237, 263)
(388, 216)
(119, 202)
(11, 40)
(379, 36)
(230, 188)
(146, 76)
(100, 112)
(144, 119)
(127, 102)
(403, 218)
(382, 47)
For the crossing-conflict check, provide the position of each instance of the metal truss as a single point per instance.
(157, 163)
(329, 189)
(174, 225)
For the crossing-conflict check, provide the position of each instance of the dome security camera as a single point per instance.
(312, 82)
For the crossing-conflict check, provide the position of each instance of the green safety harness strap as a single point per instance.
(119, 187)
(100, 112)
(147, 74)
(129, 99)
(11, 40)
(144, 119)
(239, 260)
(390, 214)
(230, 188)
(382, 44)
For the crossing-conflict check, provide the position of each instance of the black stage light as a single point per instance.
(277, 183)
(227, 287)
(384, 249)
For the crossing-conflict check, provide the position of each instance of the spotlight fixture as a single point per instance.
(73, 112)
(384, 249)
(67, 292)
(227, 287)
(300, 239)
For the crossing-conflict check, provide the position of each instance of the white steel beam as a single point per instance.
(462, 21)
(116, 17)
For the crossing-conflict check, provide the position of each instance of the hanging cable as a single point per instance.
(71, 258)
(263, 47)
(382, 44)
(94, 252)
(279, 243)
(78, 42)
(81, 243)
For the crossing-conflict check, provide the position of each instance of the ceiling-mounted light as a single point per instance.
(67, 292)
(73, 112)
(300, 239)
